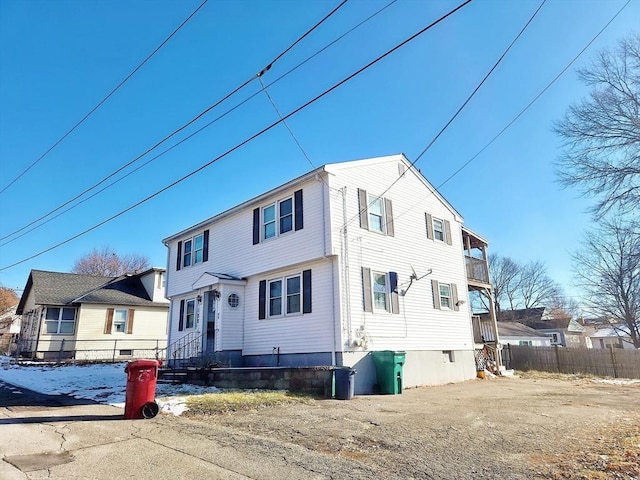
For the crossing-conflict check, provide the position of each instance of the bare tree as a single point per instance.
(521, 286)
(504, 275)
(608, 269)
(8, 299)
(106, 262)
(601, 134)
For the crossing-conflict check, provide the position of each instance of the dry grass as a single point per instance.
(234, 401)
(612, 453)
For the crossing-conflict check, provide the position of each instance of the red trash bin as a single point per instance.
(141, 389)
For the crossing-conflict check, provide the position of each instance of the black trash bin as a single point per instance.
(345, 383)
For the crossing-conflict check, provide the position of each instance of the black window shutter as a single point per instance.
(388, 217)
(297, 200)
(262, 300)
(179, 259)
(366, 289)
(306, 291)
(393, 285)
(362, 208)
(181, 320)
(205, 247)
(256, 226)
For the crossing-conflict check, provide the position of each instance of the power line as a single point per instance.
(247, 140)
(172, 134)
(450, 121)
(99, 104)
(535, 99)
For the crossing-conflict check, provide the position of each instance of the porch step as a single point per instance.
(172, 376)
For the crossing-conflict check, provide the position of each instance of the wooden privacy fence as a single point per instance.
(610, 362)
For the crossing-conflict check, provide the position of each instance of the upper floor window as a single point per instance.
(380, 291)
(193, 251)
(290, 295)
(376, 213)
(60, 320)
(278, 218)
(438, 229)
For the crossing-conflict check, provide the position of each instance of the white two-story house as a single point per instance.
(348, 259)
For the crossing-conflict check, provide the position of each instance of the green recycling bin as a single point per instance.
(389, 370)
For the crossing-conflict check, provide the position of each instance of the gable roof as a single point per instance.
(56, 288)
(515, 329)
(327, 168)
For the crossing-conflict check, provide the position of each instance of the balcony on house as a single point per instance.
(475, 254)
(483, 329)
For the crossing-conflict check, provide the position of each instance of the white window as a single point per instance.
(193, 251)
(285, 296)
(269, 222)
(293, 294)
(190, 313)
(277, 221)
(555, 338)
(376, 214)
(286, 215)
(445, 295)
(60, 320)
(527, 343)
(380, 291)
(233, 300)
(120, 321)
(438, 229)
(275, 298)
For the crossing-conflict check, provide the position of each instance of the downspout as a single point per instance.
(327, 218)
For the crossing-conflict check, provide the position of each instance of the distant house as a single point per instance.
(329, 269)
(514, 333)
(9, 329)
(601, 335)
(561, 328)
(86, 317)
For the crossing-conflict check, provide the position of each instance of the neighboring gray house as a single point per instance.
(514, 333)
(86, 317)
(561, 328)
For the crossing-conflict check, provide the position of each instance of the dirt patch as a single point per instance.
(502, 428)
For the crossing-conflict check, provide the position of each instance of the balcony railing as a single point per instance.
(483, 329)
(477, 269)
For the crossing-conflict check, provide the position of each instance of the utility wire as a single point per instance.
(99, 104)
(172, 134)
(247, 140)
(535, 99)
(450, 121)
(264, 89)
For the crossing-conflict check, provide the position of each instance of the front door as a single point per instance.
(210, 321)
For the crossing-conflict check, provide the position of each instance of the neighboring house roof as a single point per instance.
(328, 168)
(607, 332)
(56, 288)
(538, 319)
(515, 329)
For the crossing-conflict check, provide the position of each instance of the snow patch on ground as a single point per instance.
(103, 383)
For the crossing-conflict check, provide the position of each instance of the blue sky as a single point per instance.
(59, 59)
